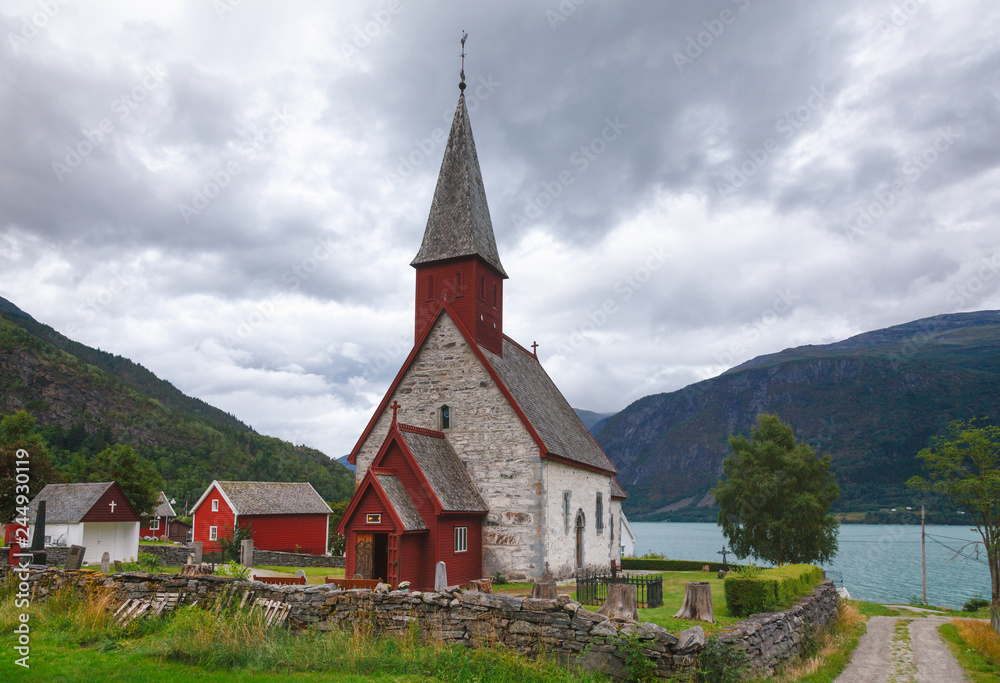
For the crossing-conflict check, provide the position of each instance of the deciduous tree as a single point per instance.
(775, 497)
(964, 465)
(17, 433)
(137, 476)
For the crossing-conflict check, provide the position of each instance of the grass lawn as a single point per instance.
(976, 648)
(314, 575)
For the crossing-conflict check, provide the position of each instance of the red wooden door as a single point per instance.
(394, 560)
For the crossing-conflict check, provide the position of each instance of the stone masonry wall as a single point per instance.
(560, 538)
(275, 558)
(501, 457)
(176, 556)
(560, 628)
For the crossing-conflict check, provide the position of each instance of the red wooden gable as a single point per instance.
(113, 506)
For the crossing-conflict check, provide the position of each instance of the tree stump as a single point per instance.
(620, 602)
(697, 602)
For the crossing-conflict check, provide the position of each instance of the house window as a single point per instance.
(461, 539)
(599, 515)
(445, 417)
(213, 533)
(373, 518)
(567, 513)
(215, 505)
(430, 287)
(154, 524)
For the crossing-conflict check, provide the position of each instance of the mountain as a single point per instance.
(589, 418)
(343, 460)
(871, 402)
(85, 399)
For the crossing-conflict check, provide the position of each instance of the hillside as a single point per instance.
(85, 399)
(871, 402)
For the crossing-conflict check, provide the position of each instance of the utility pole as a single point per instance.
(923, 550)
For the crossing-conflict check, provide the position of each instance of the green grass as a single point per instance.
(72, 639)
(874, 609)
(978, 666)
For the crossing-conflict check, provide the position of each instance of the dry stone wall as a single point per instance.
(275, 558)
(559, 629)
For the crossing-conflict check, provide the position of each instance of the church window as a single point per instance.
(458, 283)
(213, 533)
(430, 287)
(611, 525)
(482, 287)
(599, 514)
(215, 505)
(445, 417)
(567, 510)
(461, 539)
(373, 518)
(494, 295)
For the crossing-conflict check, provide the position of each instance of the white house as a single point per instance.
(97, 516)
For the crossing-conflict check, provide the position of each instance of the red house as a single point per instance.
(284, 516)
(155, 525)
(415, 506)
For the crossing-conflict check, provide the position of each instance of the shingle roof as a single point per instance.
(163, 507)
(401, 502)
(67, 503)
(616, 490)
(445, 473)
(547, 410)
(274, 498)
(459, 222)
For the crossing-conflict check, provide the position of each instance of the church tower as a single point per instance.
(458, 260)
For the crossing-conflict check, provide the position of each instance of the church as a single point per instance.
(474, 457)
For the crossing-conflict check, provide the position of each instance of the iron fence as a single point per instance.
(592, 588)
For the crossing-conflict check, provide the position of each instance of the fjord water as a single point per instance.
(876, 562)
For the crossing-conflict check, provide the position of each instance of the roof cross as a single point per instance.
(465, 36)
(395, 408)
(534, 348)
(112, 504)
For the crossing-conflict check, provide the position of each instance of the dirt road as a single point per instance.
(902, 650)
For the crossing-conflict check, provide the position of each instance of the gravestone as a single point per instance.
(300, 573)
(196, 547)
(105, 563)
(545, 588)
(38, 539)
(440, 577)
(74, 557)
(246, 552)
(118, 567)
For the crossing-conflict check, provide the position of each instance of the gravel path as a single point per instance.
(913, 655)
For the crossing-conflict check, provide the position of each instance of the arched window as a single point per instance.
(430, 287)
(458, 283)
(444, 417)
(599, 512)
(482, 287)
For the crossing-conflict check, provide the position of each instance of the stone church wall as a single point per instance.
(582, 487)
(501, 457)
(559, 629)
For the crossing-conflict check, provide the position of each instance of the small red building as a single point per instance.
(155, 525)
(416, 506)
(283, 516)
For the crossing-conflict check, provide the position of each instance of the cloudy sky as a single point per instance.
(230, 192)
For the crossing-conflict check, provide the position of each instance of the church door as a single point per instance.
(363, 559)
(581, 523)
(393, 568)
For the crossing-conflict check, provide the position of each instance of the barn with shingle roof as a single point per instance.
(474, 457)
(283, 516)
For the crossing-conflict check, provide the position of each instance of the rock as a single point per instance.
(691, 640)
(605, 628)
(381, 588)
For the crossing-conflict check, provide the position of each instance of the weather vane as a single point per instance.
(465, 36)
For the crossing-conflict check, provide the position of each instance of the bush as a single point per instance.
(976, 603)
(635, 563)
(499, 579)
(146, 562)
(766, 590)
(233, 569)
(721, 662)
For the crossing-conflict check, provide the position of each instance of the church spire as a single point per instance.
(459, 223)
